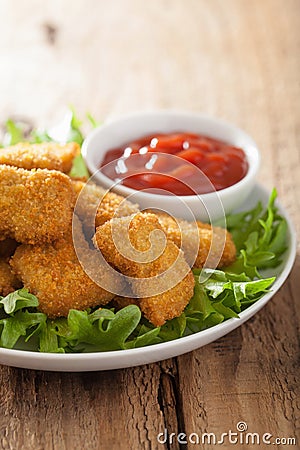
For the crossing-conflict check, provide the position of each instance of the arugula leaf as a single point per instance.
(68, 130)
(102, 330)
(242, 224)
(260, 237)
(18, 325)
(146, 336)
(74, 133)
(48, 339)
(173, 329)
(18, 300)
(218, 297)
(79, 169)
(92, 120)
(14, 133)
(39, 136)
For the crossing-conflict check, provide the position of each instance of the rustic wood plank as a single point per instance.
(46, 410)
(235, 59)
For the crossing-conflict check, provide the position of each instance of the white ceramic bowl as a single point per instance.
(206, 207)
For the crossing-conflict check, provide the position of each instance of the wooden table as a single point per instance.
(237, 59)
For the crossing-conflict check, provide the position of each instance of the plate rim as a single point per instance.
(118, 359)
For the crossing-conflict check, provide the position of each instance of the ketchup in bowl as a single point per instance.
(149, 163)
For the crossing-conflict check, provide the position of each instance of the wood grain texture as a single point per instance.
(236, 59)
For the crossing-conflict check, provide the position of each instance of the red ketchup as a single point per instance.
(147, 163)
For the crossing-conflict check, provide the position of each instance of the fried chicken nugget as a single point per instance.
(157, 263)
(47, 155)
(54, 274)
(215, 245)
(8, 281)
(87, 204)
(36, 205)
(114, 205)
(95, 205)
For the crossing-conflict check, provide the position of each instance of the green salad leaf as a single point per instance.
(79, 169)
(219, 297)
(22, 323)
(99, 330)
(14, 133)
(70, 129)
(48, 338)
(18, 300)
(260, 238)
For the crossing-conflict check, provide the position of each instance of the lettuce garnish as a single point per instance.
(68, 130)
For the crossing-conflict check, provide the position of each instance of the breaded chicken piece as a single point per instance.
(88, 196)
(95, 205)
(160, 308)
(93, 192)
(8, 281)
(36, 205)
(217, 248)
(54, 274)
(47, 155)
(215, 245)
(114, 205)
(202, 243)
(160, 277)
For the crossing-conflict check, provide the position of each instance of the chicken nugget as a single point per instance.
(160, 277)
(36, 205)
(54, 274)
(88, 197)
(157, 309)
(114, 205)
(160, 308)
(95, 205)
(93, 192)
(47, 155)
(215, 245)
(8, 281)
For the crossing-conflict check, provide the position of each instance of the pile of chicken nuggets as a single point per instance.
(37, 219)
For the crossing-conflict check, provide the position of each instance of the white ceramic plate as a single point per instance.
(80, 362)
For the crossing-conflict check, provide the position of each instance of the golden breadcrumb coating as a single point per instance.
(160, 308)
(8, 281)
(95, 205)
(93, 192)
(47, 155)
(114, 205)
(154, 260)
(217, 248)
(88, 198)
(215, 245)
(36, 205)
(53, 273)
